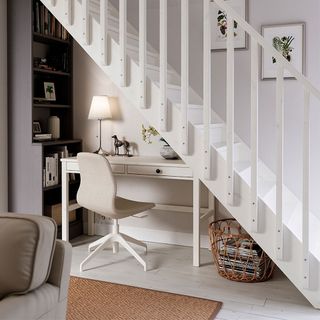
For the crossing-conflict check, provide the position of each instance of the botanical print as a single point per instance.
(283, 45)
(49, 91)
(288, 39)
(219, 25)
(222, 25)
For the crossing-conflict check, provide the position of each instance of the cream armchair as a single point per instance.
(34, 269)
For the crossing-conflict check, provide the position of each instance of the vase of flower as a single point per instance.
(166, 151)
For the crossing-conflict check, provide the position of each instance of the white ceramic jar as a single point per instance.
(54, 127)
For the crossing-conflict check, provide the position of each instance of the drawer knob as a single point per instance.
(158, 171)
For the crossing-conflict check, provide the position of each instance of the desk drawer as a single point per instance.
(160, 171)
(118, 168)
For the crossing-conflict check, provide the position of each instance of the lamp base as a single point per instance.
(102, 152)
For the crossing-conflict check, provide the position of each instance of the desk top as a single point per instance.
(139, 161)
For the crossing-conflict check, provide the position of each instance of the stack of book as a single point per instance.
(42, 136)
(243, 257)
(45, 23)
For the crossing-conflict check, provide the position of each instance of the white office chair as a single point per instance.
(98, 193)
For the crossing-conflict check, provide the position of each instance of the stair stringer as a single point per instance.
(292, 265)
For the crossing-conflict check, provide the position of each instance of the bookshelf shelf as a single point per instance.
(51, 105)
(39, 37)
(58, 186)
(52, 72)
(57, 142)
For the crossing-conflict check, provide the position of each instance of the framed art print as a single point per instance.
(219, 26)
(289, 40)
(49, 91)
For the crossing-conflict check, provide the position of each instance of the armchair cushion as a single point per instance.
(27, 245)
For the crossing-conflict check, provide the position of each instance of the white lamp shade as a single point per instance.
(100, 108)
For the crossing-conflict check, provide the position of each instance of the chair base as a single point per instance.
(115, 238)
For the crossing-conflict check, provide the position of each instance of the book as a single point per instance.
(61, 152)
(51, 170)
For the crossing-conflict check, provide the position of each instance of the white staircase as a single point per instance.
(281, 224)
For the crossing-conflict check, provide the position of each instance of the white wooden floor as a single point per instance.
(170, 269)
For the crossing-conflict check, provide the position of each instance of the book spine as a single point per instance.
(45, 26)
(42, 19)
(37, 18)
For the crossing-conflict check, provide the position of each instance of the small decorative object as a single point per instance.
(117, 144)
(100, 110)
(167, 152)
(237, 256)
(36, 127)
(147, 133)
(54, 127)
(220, 27)
(289, 40)
(49, 91)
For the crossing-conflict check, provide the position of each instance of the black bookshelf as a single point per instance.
(39, 51)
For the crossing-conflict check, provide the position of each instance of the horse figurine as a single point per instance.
(118, 143)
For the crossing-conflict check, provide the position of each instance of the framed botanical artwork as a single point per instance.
(49, 91)
(219, 26)
(289, 40)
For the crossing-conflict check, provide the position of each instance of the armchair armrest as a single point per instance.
(61, 266)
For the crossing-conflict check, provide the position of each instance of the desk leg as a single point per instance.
(65, 202)
(196, 222)
(91, 227)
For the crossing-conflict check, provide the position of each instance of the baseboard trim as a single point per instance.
(157, 236)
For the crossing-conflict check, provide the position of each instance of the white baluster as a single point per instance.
(279, 175)
(85, 22)
(68, 11)
(306, 199)
(163, 65)
(123, 42)
(142, 50)
(230, 110)
(207, 86)
(104, 30)
(184, 74)
(254, 135)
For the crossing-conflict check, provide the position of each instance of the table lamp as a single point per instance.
(100, 110)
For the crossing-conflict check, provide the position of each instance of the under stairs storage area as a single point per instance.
(230, 166)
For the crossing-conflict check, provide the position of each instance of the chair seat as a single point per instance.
(126, 208)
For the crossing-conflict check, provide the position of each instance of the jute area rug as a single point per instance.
(98, 300)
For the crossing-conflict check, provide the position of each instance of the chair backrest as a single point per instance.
(98, 188)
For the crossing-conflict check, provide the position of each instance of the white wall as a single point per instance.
(89, 80)
(260, 13)
(3, 108)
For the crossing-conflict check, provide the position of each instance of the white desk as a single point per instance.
(148, 167)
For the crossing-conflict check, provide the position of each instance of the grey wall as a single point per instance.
(260, 13)
(3, 108)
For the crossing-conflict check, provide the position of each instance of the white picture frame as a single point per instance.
(49, 91)
(292, 38)
(219, 30)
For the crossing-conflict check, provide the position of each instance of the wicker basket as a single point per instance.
(237, 256)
